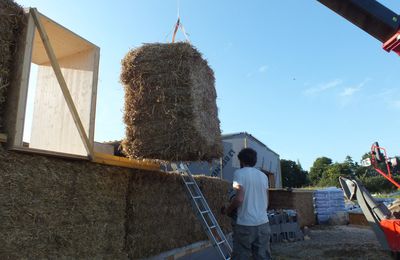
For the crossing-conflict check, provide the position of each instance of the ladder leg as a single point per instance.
(204, 213)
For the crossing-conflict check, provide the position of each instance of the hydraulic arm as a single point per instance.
(371, 16)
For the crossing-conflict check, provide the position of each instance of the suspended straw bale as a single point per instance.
(170, 104)
(11, 24)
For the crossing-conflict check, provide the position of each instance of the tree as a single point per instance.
(318, 168)
(293, 175)
(348, 161)
(325, 173)
(332, 173)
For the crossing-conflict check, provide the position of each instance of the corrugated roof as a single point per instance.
(245, 134)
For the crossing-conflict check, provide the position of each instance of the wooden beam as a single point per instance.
(108, 159)
(48, 153)
(24, 59)
(92, 120)
(61, 81)
(3, 138)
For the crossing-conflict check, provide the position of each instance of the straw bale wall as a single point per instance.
(58, 208)
(170, 104)
(11, 25)
(158, 207)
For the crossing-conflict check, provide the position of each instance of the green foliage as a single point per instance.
(379, 184)
(318, 168)
(324, 173)
(395, 195)
(330, 176)
(293, 174)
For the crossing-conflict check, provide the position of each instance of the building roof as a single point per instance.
(243, 135)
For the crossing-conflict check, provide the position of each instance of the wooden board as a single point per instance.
(48, 153)
(3, 138)
(18, 90)
(101, 158)
(63, 41)
(126, 162)
(357, 218)
(64, 118)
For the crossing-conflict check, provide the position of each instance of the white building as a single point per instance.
(268, 161)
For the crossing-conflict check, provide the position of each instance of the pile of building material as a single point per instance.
(329, 204)
(170, 104)
(284, 226)
(11, 24)
(394, 207)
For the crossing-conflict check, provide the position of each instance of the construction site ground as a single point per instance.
(326, 242)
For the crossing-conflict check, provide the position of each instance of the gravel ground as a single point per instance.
(327, 242)
(333, 242)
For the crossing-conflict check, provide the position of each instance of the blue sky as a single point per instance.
(292, 73)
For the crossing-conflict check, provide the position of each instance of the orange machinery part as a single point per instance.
(391, 228)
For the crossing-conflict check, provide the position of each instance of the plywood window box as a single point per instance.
(65, 99)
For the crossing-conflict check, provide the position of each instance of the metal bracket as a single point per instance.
(393, 44)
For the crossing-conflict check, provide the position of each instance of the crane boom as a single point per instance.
(371, 16)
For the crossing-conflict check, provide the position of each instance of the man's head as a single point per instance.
(247, 157)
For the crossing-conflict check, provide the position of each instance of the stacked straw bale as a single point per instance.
(11, 25)
(160, 217)
(170, 104)
(53, 208)
(56, 208)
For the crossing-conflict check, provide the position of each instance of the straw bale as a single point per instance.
(57, 208)
(170, 104)
(160, 216)
(11, 23)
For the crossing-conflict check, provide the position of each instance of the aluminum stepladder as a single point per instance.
(203, 212)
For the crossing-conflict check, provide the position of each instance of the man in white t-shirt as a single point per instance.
(251, 234)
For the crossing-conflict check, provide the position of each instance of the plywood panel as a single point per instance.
(53, 127)
(63, 41)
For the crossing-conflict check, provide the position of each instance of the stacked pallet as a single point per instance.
(328, 203)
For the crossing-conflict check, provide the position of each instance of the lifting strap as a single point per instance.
(177, 26)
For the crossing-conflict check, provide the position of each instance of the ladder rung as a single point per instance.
(221, 242)
(196, 194)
